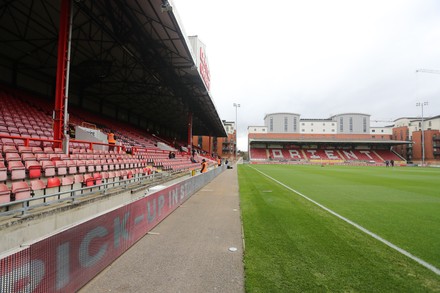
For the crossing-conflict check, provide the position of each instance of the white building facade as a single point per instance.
(348, 123)
(282, 122)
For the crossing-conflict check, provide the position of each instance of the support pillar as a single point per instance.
(62, 71)
(190, 135)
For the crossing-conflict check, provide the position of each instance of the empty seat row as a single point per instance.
(30, 169)
(26, 189)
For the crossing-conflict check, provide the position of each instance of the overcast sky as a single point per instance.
(318, 58)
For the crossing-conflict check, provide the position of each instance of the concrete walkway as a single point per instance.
(188, 251)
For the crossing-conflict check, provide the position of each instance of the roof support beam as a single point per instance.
(62, 71)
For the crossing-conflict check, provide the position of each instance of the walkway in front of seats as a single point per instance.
(188, 251)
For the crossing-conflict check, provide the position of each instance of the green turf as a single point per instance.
(294, 246)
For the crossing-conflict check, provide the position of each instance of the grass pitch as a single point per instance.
(292, 245)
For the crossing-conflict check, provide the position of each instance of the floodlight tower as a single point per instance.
(421, 104)
(236, 128)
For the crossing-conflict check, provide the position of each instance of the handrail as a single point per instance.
(74, 194)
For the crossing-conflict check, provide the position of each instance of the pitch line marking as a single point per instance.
(375, 236)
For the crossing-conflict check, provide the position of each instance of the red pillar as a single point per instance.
(210, 145)
(63, 37)
(190, 135)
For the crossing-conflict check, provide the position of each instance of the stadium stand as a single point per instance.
(31, 166)
(258, 154)
(333, 156)
(387, 155)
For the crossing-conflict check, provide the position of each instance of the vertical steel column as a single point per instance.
(190, 135)
(61, 77)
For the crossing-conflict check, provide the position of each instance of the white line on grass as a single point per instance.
(402, 251)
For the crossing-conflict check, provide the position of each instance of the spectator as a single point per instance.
(204, 166)
(111, 139)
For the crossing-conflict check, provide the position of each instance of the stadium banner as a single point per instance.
(67, 260)
(199, 50)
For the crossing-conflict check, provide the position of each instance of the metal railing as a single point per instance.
(23, 206)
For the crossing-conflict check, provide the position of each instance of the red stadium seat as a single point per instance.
(66, 181)
(104, 165)
(98, 166)
(20, 190)
(78, 178)
(3, 171)
(5, 193)
(28, 157)
(90, 166)
(58, 151)
(81, 164)
(9, 148)
(71, 165)
(61, 167)
(37, 184)
(48, 168)
(24, 149)
(98, 178)
(8, 142)
(42, 157)
(89, 180)
(37, 187)
(37, 150)
(48, 150)
(105, 175)
(33, 168)
(53, 182)
(17, 170)
(12, 157)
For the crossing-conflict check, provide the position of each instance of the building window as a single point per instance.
(303, 124)
(323, 130)
(303, 130)
(285, 124)
(311, 123)
(341, 124)
(294, 124)
(350, 124)
(333, 130)
(365, 124)
(323, 124)
(271, 124)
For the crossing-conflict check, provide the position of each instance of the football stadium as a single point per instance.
(117, 173)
